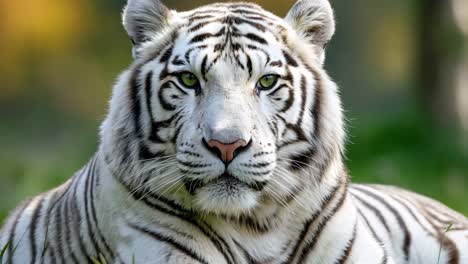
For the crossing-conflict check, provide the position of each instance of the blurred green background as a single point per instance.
(402, 66)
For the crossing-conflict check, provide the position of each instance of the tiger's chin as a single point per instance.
(226, 196)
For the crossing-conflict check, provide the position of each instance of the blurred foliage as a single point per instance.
(407, 151)
(61, 57)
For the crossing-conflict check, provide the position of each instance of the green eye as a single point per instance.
(188, 79)
(267, 81)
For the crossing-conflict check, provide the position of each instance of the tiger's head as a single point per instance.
(226, 107)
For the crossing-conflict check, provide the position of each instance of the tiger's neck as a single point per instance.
(275, 226)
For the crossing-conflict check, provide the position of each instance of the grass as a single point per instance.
(440, 249)
(100, 260)
(3, 251)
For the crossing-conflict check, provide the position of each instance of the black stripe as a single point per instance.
(255, 38)
(258, 26)
(256, 165)
(277, 63)
(164, 73)
(444, 240)
(77, 223)
(440, 221)
(250, 259)
(190, 153)
(193, 185)
(53, 258)
(252, 225)
(264, 52)
(203, 67)
(239, 63)
(249, 66)
(325, 164)
(413, 215)
(189, 51)
(165, 105)
(180, 88)
(146, 154)
(310, 245)
(202, 12)
(188, 217)
(437, 218)
(401, 222)
(149, 95)
(68, 233)
(301, 160)
(97, 230)
(281, 86)
(229, 20)
(289, 102)
(317, 107)
(135, 100)
(199, 17)
(48, 215)
(166, 55)
(447, 244)
(59, 235)
(201, 24)
(250, 12)
(374, 210)
(262, 153)
(11, 239)
(247, 6)
(172, 242)
(326, 201)
(177, 132)
(289, 59)
(177, 61)
(87, 209)
(272, 127)
(376, 237)
(35, 218)
(202, 37)
(256, 18)
(349, 247)
(303, 98)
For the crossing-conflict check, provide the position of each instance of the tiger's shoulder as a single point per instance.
(412, 226)
(427, 205)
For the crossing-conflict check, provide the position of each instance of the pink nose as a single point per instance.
(227, 151)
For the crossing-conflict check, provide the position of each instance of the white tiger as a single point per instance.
(224, 144)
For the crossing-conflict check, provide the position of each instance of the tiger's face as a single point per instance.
(225, 104)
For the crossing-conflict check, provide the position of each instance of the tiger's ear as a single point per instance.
(313, 19)
(142, 19)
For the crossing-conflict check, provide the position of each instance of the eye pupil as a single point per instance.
(267, 81)
(188, 79)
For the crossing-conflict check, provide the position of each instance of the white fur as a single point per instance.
(227, 109)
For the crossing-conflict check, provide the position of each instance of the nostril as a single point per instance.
(213, 150)
(242, 148)
(226, 151)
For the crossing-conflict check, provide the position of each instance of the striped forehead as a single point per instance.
(247, 11)
(229, 31)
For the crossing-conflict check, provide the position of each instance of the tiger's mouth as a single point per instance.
(225, 181)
